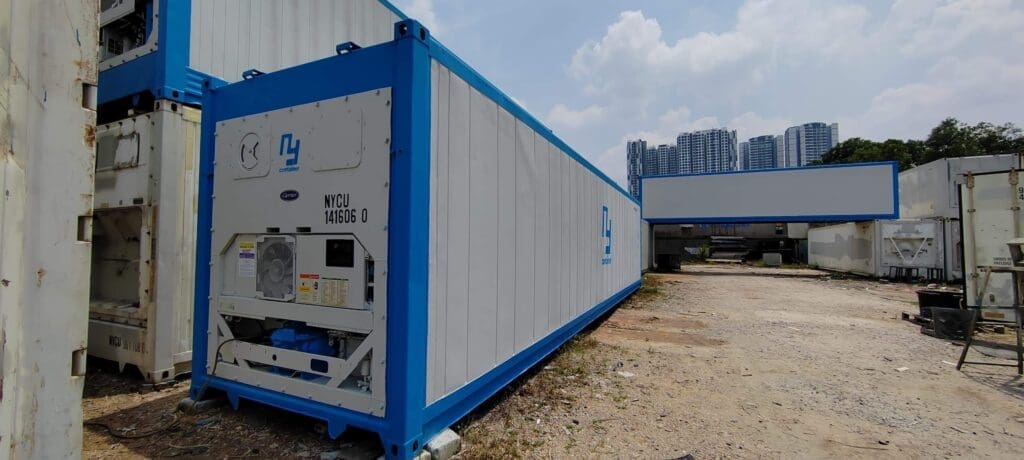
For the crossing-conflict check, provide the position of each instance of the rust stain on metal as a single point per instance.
(90, 136)
(39, 277)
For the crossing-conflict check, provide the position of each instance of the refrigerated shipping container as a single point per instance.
(877, 248)
(143, 256)
(47, 132)
(991, 219)
(387, 240)
(932, 189)
(156, 55)
(167, 47)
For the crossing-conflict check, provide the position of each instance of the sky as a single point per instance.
(599, 72)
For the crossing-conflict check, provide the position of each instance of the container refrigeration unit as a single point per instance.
(155, 58)
(387, 240)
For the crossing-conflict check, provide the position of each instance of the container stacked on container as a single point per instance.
(156, 56)
(390, 240)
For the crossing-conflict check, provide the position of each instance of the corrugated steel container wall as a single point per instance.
(845, 247)
(515, 247)
(229, 37)
(47, 126)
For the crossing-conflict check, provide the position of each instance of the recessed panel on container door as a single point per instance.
(541, 240)
(483, 252)
(439, 235)
(526, 178)
(458, 235)
(506, 237)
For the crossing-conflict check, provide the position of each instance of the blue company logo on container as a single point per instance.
(606, 234)
(289, 150)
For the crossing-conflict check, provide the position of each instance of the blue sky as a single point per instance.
(599, 72)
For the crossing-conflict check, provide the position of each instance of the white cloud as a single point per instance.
(784, 62)
(972, 89)
(562, 116)
(634, 58)
(750, 124)
(423, 11)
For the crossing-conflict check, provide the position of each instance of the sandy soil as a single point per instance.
(720, 362)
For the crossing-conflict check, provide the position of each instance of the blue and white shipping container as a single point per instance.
(154, 59)
(387, 240)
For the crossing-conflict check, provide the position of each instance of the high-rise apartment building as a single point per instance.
(780, 152)
(762, 153)
(744, 161)
(808, 142)
(700, 152)
(634, 164)
(708, 151)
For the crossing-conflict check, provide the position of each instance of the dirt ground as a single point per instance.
(714, 362)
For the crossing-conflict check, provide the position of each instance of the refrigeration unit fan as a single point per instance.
(275, 266)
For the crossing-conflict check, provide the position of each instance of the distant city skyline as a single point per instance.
(697, 152)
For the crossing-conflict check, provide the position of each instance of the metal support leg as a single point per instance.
(1020, 350)
(967, 343)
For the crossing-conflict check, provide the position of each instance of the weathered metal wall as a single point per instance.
(845, 247)
(516, 240)
(144, 244)
(48, 52)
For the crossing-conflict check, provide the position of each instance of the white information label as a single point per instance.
(247, 260)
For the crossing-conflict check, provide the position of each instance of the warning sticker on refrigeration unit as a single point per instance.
(309, 289)
(247, 259)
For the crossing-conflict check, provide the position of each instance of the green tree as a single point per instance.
(950, 139)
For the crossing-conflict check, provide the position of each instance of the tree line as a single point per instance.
(950, 139)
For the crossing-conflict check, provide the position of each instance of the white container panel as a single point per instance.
(229, 37)
(516, 237)
(47, 113)
(845, 247)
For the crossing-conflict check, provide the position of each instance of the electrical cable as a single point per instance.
(216, 360)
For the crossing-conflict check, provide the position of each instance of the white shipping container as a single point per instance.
(47, 132)
(144, 241)
(854, 192)
(932, 189)
(875, 248)
(991, 218)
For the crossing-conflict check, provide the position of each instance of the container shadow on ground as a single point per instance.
(1011, 385)
(155, 428)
